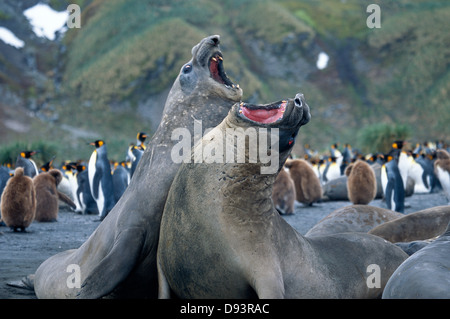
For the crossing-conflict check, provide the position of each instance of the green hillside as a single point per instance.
(115, 71)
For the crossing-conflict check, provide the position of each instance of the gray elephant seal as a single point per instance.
(221, 236)
(421, 225)
(353, 218)
(424, 275)
(119, 258)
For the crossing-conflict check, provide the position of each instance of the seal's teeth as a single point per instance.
(241, 104)
(284, 101)
(220, 58)
(214, 59)
(240, 111)
(237, 86)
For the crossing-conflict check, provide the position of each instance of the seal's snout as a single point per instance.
(214, 40)
(299, 100)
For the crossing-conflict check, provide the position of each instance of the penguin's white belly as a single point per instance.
(100, 199)
(91, 172)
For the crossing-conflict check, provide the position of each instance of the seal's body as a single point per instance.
(125, 242)
(424, 275)
(221, 236)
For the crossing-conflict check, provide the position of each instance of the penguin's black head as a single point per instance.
(141, 136)
(398, 145)
(27, 154)
(98, 143)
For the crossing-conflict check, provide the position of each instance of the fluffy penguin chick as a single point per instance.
(283, 193)
(47, 196)
(442, 171)
(18, 202)
(361, 183)
(307, 184)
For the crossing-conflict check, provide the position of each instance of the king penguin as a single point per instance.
(140, 139)
(29, 166)
(137, 152)
(100, 179)
(392, 183)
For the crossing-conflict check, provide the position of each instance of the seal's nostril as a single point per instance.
(298, 102)
(215, 39)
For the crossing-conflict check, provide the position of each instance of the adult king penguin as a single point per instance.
(392, 183)
(29, 166)
(140, 139)
(100, 179)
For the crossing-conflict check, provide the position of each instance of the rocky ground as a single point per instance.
(22, 253)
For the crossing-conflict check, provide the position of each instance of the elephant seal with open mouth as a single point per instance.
(119, 258)
(221, 236)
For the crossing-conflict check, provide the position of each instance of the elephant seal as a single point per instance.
(421, 225)
(424, 275)
(119, 258)
(221, 236)
(353, 218)
(336, 189)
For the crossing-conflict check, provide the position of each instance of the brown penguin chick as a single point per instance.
(283, 193)
(18, 202)
(361, 183)
(442, 170)
(47, 195)
(307, 185)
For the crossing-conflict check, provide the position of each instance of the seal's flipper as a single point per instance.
(25, 283)
(115, 267)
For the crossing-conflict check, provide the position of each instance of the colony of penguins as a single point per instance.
(348, 174)
(91, 187)
(95, 186)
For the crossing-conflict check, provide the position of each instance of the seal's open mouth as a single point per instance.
(217, 71)
(265, 114)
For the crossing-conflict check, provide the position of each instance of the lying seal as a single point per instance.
(353, 218)
(425, 274)
(119, 258)
(421, 225)
(221, 236)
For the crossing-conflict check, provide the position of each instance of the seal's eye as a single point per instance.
(187, 68)
(291, 141)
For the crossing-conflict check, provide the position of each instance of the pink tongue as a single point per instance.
(261, 116)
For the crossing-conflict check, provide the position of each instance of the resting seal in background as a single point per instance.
(421, 225)
(221, 236)
(425, 274)
(119, 258)
(353, 218)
